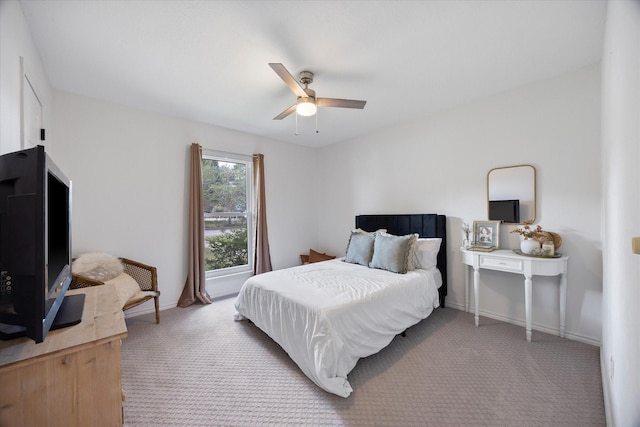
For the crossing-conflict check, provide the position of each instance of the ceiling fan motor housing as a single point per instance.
(306, 77)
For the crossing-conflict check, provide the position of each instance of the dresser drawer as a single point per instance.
(489, 262)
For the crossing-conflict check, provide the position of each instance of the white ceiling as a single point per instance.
(207, 60)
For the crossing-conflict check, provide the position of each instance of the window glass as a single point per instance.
(226, 187)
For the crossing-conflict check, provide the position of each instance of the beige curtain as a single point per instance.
(261, 256)
(195, 286)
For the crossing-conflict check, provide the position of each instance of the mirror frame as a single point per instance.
(518, 195)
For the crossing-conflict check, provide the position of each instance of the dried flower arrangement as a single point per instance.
(527, 232)
(539, 234)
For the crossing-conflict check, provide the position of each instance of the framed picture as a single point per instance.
(486, 234)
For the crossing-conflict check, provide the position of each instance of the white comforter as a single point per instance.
(329, 314)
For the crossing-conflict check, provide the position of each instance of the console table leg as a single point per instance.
(467, 273)
(527, 304)
(476, 293)
(563, 302)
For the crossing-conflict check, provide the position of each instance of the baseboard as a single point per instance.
(534, 326)
(223, 293)
(146, 309)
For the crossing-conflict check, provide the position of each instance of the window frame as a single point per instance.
(222, 156)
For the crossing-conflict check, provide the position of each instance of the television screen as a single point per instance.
(504, 210)
(58, 243)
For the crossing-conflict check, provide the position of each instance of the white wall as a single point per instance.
(621, 181)
(16, 42)
(130, 177)
(440, 164)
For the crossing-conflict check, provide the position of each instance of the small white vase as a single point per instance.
(528, 246)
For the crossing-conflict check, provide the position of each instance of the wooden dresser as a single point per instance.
(73, 378)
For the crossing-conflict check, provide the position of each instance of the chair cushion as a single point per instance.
(126, 287)
(142, 295)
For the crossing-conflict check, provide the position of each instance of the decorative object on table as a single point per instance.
(529, 243)
(538, 254)
(545, 236)
(486, 235)
(466, 242)
(535, 238)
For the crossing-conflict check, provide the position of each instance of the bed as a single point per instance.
(328, 315)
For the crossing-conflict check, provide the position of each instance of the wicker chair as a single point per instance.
(145, 275)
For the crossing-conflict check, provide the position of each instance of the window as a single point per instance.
(226, 187)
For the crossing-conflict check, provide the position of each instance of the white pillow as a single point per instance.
(425, 254)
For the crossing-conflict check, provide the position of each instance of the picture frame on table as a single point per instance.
(486, 234)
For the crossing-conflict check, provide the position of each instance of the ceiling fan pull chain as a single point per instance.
(317, 122)
(296, 134)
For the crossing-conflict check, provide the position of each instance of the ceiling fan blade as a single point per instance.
(288, 79)
(343, 103)
(286, 112)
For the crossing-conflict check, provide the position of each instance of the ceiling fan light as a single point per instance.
(306, 107)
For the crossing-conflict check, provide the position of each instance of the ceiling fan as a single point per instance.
(307, 103)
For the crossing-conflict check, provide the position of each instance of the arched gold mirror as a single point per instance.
(511, 194)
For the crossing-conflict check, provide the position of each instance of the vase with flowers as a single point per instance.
(529, 244)
(466, 230)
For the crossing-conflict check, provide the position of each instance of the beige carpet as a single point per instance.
(199, 367)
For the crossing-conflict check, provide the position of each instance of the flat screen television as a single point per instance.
(504, 210)
(35, 247)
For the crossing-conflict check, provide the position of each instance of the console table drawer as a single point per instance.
(501, 264)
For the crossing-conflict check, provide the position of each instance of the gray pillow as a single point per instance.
(360, 248)
(393, 253)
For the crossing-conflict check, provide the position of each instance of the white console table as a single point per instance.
(508, 261)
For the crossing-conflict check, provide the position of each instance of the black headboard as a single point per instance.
(425, 225)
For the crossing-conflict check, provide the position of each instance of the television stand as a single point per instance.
(69, 314)
(9, 332)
